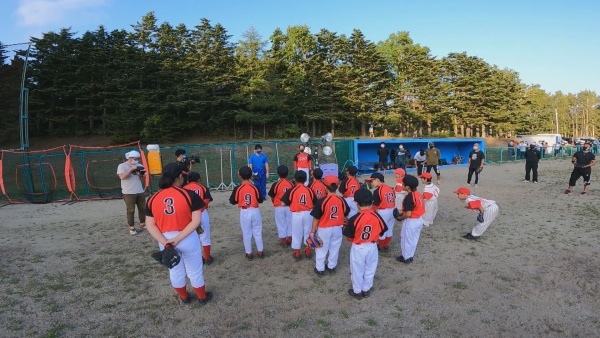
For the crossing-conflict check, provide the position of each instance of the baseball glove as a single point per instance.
(199, 230)
(480, 169)
(396, 213)
(480, 218)
(168, 257)
(314, 241)
(255, 176)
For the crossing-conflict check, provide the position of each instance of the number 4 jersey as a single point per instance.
(300, 198)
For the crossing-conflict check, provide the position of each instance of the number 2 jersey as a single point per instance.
(331, 211)
(365, 227)
(172, 208)
(246, 196)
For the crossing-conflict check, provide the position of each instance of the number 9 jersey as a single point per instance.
(172, 208)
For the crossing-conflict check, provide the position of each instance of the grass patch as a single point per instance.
(428, 325)
(57, 330)
(298, 323)
(460, 286)
(371, 322)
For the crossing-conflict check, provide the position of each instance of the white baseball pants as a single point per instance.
(205, 223)
(363, 264)
(409, 236)
(332, 240)
(251, 225)
(352, 205)
(399, 198)
(489, 215)
(283, 220)
(431, 209)
(191, 261)
(388, 218)
(301, 226)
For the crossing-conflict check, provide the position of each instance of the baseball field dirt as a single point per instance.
(74, 271)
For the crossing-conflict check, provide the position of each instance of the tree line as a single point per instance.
(157, 82)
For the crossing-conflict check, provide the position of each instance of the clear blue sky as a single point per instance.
(553, 43)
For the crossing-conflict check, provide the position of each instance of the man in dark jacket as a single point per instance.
(382, 152)
(532, 158)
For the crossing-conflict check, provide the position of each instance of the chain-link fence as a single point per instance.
(508, 154)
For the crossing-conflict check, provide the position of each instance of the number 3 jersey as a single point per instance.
(365, 227)
(330, 211)
(172, 208)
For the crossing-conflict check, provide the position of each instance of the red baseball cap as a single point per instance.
(463, 190)
(331, 179)
(400, 171)
(425, 175)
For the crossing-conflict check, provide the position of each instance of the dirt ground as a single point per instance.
(73, 271)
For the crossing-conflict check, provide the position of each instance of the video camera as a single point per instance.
(191, 159)
(139, 170)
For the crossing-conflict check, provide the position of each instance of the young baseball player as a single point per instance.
(317, 185)
(302, 161)
(247, 197)
(172, 217)
(412, 222)
(399, 188)
(348, 186)
(430, 195)
(301, 201)
(384, 202)
(283, 215)
(204, 194)
(329, 215)
(487, 211)
(363, 230)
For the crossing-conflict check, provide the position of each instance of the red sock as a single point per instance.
(201, 292)
(289, 240)
(297, 252)
(387, 241)
(182, 292)
(206, 250)
(283, 241)
(381, 243)
(307, 250)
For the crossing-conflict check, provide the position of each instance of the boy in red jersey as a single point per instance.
(301, 200)
(247, 197)
(348, 187)
(329, 216)
(412, 222)
(317, 185)
(172, 216)
(283, 215)
(202, 191)
(384, 202)
(363, 230)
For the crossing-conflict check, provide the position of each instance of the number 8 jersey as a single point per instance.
(172, 208)
(365, 227)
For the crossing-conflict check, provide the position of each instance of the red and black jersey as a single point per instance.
(299, 198)
(414, 202)
(330, 211)
(349, 186)
(365, 227)
(245, 195)
(384, 197)
(172, 208)
(302, 160)
(278, 189)
(318, 187)
(201, 191)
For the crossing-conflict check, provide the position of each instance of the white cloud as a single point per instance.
(43, 12)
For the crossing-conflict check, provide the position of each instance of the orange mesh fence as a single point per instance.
(34, 176)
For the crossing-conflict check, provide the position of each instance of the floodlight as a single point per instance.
(327, 150)
(307, 150)
(328, 137)
(304, 137)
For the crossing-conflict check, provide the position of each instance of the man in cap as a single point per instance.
(131, 186)
(433, 160)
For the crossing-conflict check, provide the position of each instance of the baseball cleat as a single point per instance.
(186, 300)
(208, 261)
(568, 192)
(319, 273)
(132, 232)
(308, 255)
(297, 257)
(331, 271)
(404, 260)
(357, 296)
(583, 194)
(249, 257)
(470, 236)
(205, 300)
(525, 181)
(260, 254)
(366, 294)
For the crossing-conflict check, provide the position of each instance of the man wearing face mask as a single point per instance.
(433, 160)
(583, 161)
(402, 157)
(133, 192)
(532, 158)
(476, 160)
(259, 163)
(382, 152)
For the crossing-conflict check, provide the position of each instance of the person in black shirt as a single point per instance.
(532, 158)
(583, 161)
(476, 158)
(382, 152)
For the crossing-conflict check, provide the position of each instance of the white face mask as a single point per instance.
(382, 145)
(475, 148)
(134, 162)
(401, 147)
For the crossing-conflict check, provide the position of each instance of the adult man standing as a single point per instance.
(476, 160)
(133, 192)
(180, 161)
(401, 157)
(433, 160)
(259, 163)
(382, 152)
(583, 161)
(302, 161)
(532, 158)
(419, 160)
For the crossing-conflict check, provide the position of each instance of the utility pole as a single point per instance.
(556, 118)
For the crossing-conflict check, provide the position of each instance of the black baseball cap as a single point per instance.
(363, 196)
(411, 182)
(179, 152)
(193, 176)
(283, 171)
(300, 176)
(245, 172)
(352, 170)
(172, 170)
(318, 173)
(378, 176)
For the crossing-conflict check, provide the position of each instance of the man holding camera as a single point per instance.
(183, 161)
(131, 173)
